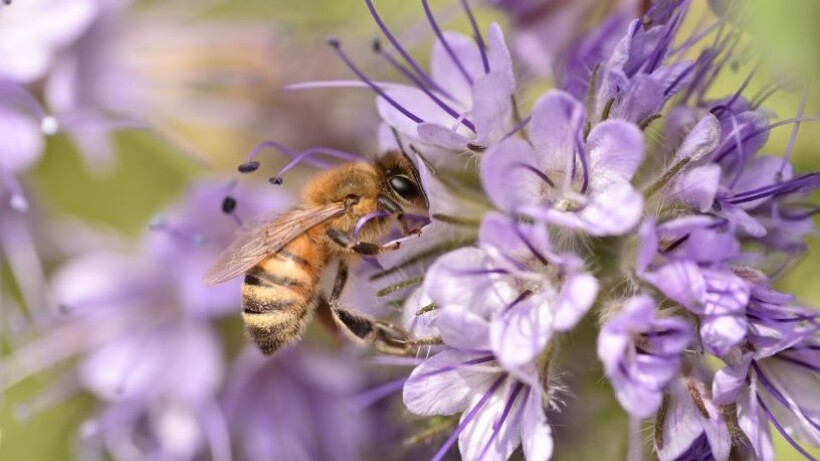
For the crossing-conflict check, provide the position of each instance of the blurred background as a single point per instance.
(163, 99)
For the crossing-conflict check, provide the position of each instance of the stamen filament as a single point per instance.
(336, 45)
(432, 20)
(409, 59)
(421, 86)
(467, 419)
(477, 35)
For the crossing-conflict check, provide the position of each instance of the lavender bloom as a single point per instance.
(567, 179)
(642, 354)
(500, 410)
(690, 426)
(470, 102)
(544, 30)
(783, 341)
(141, 327)
(32, 32)
(296, 406)
(712, 291)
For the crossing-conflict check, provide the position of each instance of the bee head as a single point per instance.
(402, 182)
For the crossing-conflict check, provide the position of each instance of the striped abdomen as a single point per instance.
(279, 294)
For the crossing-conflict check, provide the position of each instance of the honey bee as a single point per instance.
(283, 258)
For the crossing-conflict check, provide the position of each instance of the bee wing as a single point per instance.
(261, 238)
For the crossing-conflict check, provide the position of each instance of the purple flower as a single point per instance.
(33, 32)
(692, 271)
(775, 382)
(564, 179)
(297, 405)
(469, 103)
(641, 354)
(544, 30)
(528, 292)
(691, 426)
(141, 327)
(23, 126)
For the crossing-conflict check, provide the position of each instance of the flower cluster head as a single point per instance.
(627, 192)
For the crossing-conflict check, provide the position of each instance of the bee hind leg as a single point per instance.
(361, 328)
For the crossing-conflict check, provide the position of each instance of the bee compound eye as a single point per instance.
(403, 186)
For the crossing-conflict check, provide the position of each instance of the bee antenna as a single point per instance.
(307, 156)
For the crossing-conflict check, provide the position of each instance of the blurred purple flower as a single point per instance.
(32, 32)
(692, 426)
(297, 406)
(641, 354)
(141, 326)
(783, 340)
(544, 30)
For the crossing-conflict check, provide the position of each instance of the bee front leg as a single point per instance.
(386, 337)
(364, 248)
(396, 210)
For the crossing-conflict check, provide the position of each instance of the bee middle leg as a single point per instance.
(362, 328)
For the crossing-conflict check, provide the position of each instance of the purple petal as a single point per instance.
(506, 179)
(486, 436)
(758, 172)
(648, 245)
(643, 97)
(721, 333)
(728, 381)
(710, 246)
(452, 280)
(21, 142)
(447, 74)
(755, 425)
(498, 56)
(442, 385)
(613, 210)
(726, 293)
(701, 141)
(536, 433)
(615, 149)
(680, 281)
(438, 135)
(522, 332)
(508, 237)
(463, 329)
(492, 107)
(698, 187)
(556, 118)
(576, 298)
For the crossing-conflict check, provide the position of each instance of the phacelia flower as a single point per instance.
(563, 178)
(642, 354)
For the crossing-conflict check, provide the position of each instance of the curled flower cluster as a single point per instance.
(673, 238)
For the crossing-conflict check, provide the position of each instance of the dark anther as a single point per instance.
(476, 147)
(276, 180)
(62, 308)
(376, 45)
(248, 167)
(334, 42)
(228, 205)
